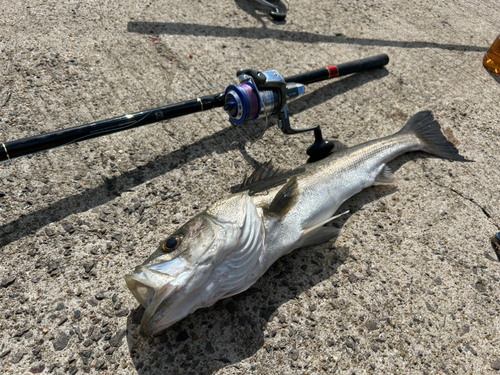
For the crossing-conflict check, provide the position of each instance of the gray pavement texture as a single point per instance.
(410, 287)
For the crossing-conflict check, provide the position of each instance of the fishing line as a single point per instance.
(245, 102)
(251, 102)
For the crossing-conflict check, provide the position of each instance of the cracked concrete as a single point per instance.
(470, 200)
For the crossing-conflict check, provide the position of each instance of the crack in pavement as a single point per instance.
(485, 212)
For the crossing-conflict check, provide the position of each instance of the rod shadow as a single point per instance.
(112, 187)
(156, 28)
(234, 329)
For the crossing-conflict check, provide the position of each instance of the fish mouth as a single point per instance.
(142, 291)
(158, 294)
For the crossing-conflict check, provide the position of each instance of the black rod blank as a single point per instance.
(47, 141)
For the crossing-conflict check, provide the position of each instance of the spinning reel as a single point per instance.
(262, 94)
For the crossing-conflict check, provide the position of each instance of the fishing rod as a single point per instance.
(258, 94)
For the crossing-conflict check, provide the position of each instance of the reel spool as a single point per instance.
(245, 102)
(258, 94)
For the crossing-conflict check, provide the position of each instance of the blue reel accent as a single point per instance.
(242, 102)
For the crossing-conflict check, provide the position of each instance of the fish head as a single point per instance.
(167, 283)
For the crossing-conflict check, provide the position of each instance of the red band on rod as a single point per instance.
(334, 72)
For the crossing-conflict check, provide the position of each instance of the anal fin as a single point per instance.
(385, 177)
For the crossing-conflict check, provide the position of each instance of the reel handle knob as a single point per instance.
(320, 148)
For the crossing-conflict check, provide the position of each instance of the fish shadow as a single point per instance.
(235, 328)
(223, 141)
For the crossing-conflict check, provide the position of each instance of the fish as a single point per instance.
(229, 246)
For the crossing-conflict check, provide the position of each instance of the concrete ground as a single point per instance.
(410, 287)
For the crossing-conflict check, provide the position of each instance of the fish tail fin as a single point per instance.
(429, 133)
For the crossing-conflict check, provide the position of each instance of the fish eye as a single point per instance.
(172, 243)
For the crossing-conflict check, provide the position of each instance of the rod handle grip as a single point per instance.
(368, 63)
(333, 71)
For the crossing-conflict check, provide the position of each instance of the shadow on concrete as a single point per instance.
(496, 77)
(156, 28)
(112, 187)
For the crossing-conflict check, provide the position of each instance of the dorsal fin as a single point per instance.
(263, 171)
(337, 146)
(285, 199)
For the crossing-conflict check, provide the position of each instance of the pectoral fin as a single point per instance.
(285, 200)
(318, 236)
